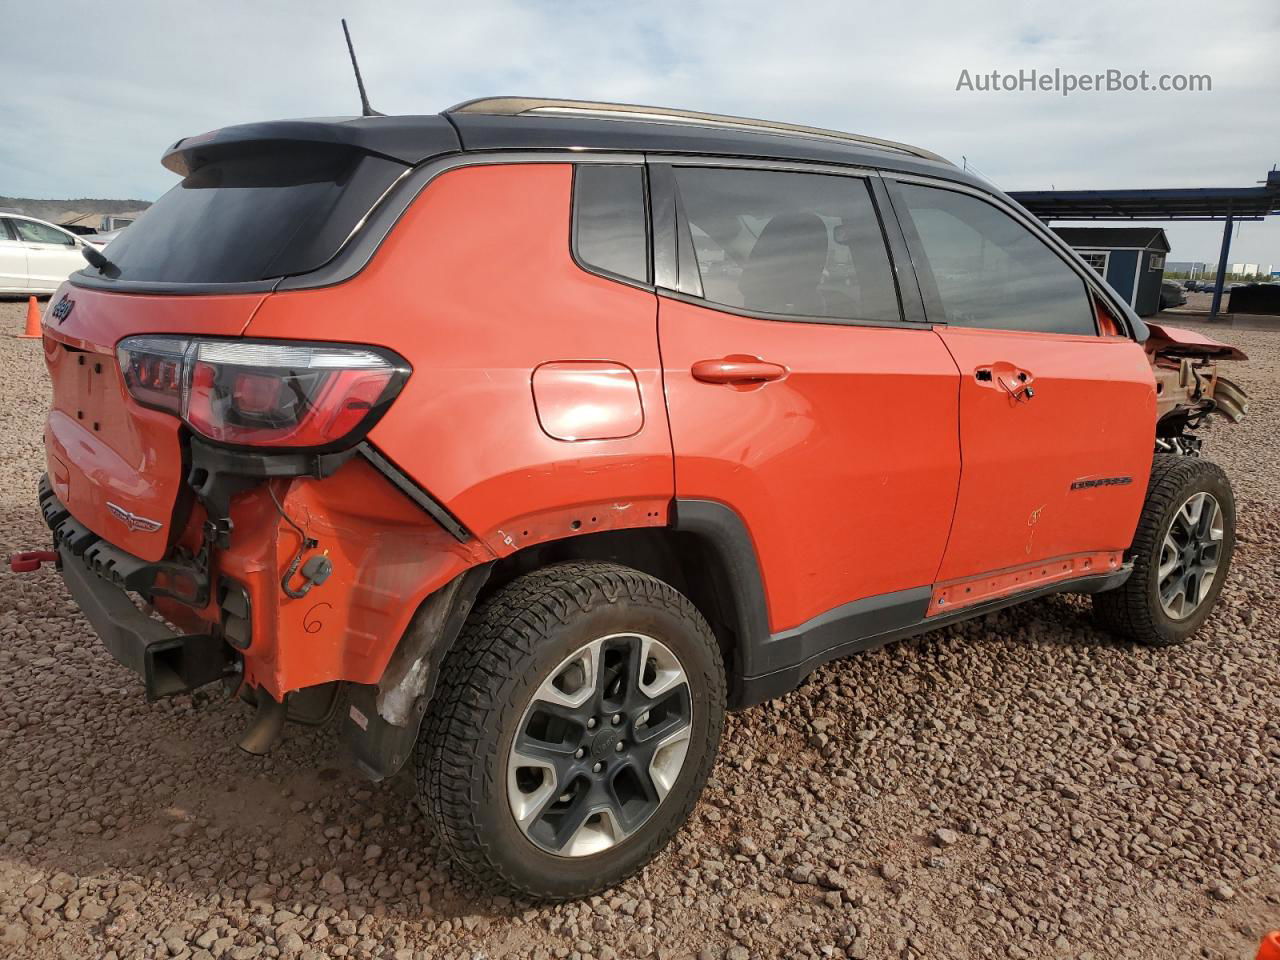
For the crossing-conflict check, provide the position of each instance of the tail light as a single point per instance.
(247, 393)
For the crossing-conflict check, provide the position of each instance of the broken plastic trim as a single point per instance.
(410, 488)
(382, 722)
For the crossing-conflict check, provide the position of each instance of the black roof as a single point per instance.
(494, 124)
(1114, 238)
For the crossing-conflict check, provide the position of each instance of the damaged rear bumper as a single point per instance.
(97, 576)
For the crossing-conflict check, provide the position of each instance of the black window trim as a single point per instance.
(1056, 245)
(673, 243)
(910, 300)
(7, 232)
(586, 267)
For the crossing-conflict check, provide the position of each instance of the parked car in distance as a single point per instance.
(1171, 295)
(520, 442)
(35, 256)
(100, 240)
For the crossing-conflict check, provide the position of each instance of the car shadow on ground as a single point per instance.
(295, 830)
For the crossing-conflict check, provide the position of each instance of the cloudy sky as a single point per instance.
(92, 94)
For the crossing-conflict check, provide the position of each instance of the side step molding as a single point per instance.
(758, 689)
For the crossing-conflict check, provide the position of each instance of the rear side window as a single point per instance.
(6, 230)
(256, 217)
(610, 232)
(33, 232)
(991, 271)
(795, 244)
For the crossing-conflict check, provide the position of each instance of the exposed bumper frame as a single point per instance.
(169, 663)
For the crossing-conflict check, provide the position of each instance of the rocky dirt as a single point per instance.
(1019, 786)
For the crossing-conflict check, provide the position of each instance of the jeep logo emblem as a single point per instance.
(602, 745)
(62, 309)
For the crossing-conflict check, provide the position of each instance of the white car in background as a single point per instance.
(35, 256)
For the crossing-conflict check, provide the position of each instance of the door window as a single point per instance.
(990, 270)
(795, 244)
(6, 229)
(33, 232)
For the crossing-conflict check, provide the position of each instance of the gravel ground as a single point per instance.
(1017, 786)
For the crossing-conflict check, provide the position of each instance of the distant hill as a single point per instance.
(63, 211)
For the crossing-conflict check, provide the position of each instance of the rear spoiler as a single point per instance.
(407, 140)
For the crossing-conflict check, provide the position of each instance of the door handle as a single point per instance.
(1018, 387)
(1013, 380)
(737, 370)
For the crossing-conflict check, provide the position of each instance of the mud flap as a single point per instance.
(381, 722)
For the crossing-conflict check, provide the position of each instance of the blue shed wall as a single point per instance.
(1120, 268)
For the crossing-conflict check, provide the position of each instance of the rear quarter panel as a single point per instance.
(476, 288)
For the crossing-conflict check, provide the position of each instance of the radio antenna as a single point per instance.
(365, 109)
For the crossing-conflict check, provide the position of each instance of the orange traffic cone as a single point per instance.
(1269, 949)
(33, 320)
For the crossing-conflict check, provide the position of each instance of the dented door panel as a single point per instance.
(844, 467)
(1056, 436)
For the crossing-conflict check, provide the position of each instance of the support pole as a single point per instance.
(1222, 268)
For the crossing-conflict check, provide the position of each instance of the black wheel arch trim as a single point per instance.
(739, 585)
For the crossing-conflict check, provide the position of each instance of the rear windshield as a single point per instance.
(255, 217)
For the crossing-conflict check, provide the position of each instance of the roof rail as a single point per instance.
(535, 106)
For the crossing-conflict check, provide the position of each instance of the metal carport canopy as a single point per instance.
(1203, 203)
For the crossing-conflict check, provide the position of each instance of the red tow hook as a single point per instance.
(29, 560)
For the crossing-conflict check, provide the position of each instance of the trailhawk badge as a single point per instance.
(132, 520)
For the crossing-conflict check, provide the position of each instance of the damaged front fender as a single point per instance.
(1188, 384)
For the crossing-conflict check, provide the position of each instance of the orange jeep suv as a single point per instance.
(523, 440)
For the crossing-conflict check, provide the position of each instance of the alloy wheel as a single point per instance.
(1189, 555)
(600, 745)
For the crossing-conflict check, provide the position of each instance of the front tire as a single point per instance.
(1181, 555)
(574, 726)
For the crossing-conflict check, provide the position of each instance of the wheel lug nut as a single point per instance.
(597, 768)
(591, 724)
(617, 719)
(579, 753)
(617, 747)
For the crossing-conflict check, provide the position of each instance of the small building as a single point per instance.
(1131, 259)
(98, 222)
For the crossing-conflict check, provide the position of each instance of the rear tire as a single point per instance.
(1181, 555)
(548, 770)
